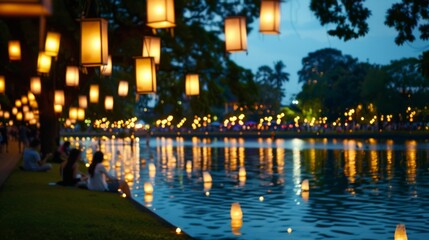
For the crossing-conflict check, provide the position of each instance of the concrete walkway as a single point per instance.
(9, 160)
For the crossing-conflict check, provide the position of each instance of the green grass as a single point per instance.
(31, 209)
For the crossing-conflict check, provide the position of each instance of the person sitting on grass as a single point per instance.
(98, 174)
(69, 171)
(32, 160)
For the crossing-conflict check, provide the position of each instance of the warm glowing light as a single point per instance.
(93, 93)
(189, 166)
(72, 76)
(43, 63)
(289, 230)
(14, 50)
(269, 19)
(26, 8)
(192, 84)
(160, 13)
(58, 108)
(83, 102)
(152, 48)
(178, 230)
(35, 85)
(73, 113)
(400, 232)
(305, 185)
(148, 188)
(108, 103)
(52, 44)
(242, 172)
(59, 97)
(207, 177)
(80, 114)
(94, 45)
(235, 34)
(261, 198)
(123, 88)
(236, 212)
(107, 69)
(2, 84)
(145, 75)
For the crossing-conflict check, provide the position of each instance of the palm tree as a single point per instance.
(279, 77)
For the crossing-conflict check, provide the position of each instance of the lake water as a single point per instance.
(359, 189)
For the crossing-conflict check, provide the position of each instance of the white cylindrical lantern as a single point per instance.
(145, 75)
(52, 44)
(14, 50)
(192, 84)
(305, 186)
(58, 108)
(236, 212)
(43, 63)
(93, 47)
(72, 76)
(400, 232)
(80, 114)
(106, 70)
(59, 97)
(148, 188)
(35, 85)
(83, 102)
(152, 48)
(73, 113)
(160, 13)
(108, 103)
(207, 177)
(2, 84)
(93, 93)
(269, 18)
(235, 34)
(123, 88)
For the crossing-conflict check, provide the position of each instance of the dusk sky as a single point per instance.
(301, 33)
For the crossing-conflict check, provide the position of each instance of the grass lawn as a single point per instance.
(31, 209)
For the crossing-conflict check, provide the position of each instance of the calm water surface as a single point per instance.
(359, 189)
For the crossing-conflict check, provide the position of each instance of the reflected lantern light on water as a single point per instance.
(400, 232)
(236, 212)
(148, 188)
(207, 177)
(242, 172)
(305, 185)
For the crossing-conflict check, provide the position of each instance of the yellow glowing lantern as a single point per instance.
(93, 47)
(123, 88)
(18, 103)
(400, 232)
(108, 103)
(25, 8)
(24, 99)
(25, 108)
(189, 166)
(2, 84)
(236, 212)
(207, 177)
(192, 84)
(14, 50)
(145, 75)
(305, 195)
(35, 85)
(129, 177)
(148, 188)
(43, 63)
(160, 13)
(93, 93)
(14, 110)
(72, 76)
(6, 115)
(80, 114)
(305, 185)
(148, 199)
(58, 108)
(19, 116)
(269, 19)
(207, 186)
(83, 102)
(28, 116)
(73, 113)
(242, 172)
(52, 44)
(152, 48)
(1, 113)
(59, 97)
(107, 69)
(235, 34)
(236, 225)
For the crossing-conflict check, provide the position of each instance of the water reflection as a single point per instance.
(358, 189)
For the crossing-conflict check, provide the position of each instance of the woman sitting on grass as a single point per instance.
(98, 174)
(69, 170)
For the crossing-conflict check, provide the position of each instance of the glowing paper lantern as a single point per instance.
(160, 13)
(58, 108)
(207, 177)
(236, 212)
(59, 97)
(235, 34)
(25, 8)
(108, 103)
(25, 109)
(148, 188)
(123, 88)
(6, 115)
(52, 44)
(73, 113)
(93, 93)
(24, 99)
(93, 47)
(83, 102)
(152, 48)
(28, 116)
(145, 75)
(192, 84)
(2, 84)
(400, 232)
(107, 69)
(269, 19)
(35, 85)
(18, 103)
(43, 63)
(19, 116)
(80, 114)
(72, 76)
(14, 110)
(305, 186)
(14, 50)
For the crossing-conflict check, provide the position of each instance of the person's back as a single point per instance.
(97, 181)
(32, 160)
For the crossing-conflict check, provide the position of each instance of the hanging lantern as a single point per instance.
(28, 116)
(59, 97)
(123, 88)
(160, 13)
(19, 116)
(80, 114)
(72, 76)
(305, 185)
(152, 48)
(93, 93)
(35, 85)
(108, 103)
(107, 69)
(58, 108)
(24, 99)
(145, 75)
(18, 103)
(43, 63)
(25, 8)
(235, 34)
(148, 188)
(73, 113)
(6, 115)
(83, 102)
(25, 109)
(31, 96)
(400, 232)
(269, 18)
(14, 110)
(192, 84)
(14, 50)
(93, 45)
(236, 212)
(52, 44)
(2, 84)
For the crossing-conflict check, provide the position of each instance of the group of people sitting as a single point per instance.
(98, 178)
